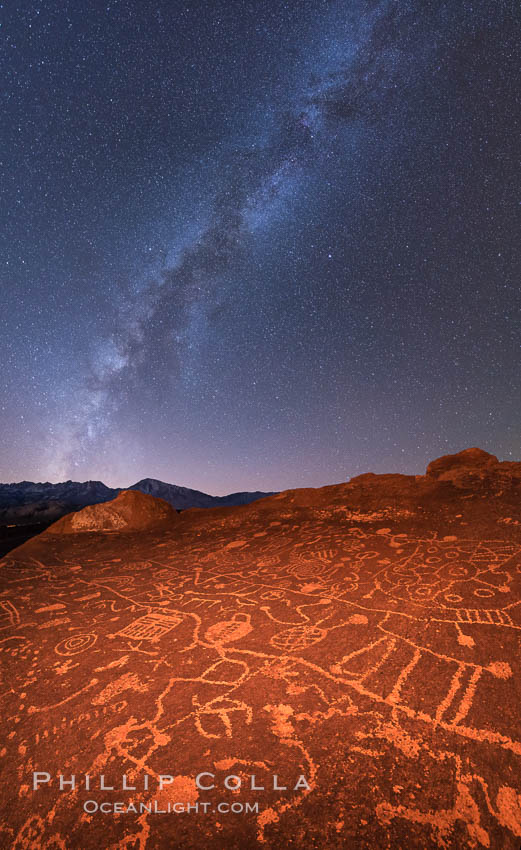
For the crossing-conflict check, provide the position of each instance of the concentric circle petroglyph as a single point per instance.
(75, 644)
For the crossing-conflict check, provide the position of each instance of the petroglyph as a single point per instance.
(75, 644)
(297, 638)
(229, 630)
(374, 653)
(9, 615)
(150, 627)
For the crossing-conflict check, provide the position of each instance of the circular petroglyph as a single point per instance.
(229, 630)
(423, 591)
(455, 571)
(358, 620)
(453, 597)
(273, 594)
(75, 644)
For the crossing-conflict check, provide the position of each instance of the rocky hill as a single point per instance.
(130, 512)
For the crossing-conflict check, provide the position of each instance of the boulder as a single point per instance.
(130, 511)
(448, 467)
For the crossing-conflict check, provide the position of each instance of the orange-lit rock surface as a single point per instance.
(360, 641)
(130, 511)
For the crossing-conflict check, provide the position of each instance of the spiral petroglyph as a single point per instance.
(76, 644)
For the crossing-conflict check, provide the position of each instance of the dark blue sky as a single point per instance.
(255, 245)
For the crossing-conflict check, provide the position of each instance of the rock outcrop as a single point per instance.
(469, 483)
(445, 467)
(130, 511)
(475, 469)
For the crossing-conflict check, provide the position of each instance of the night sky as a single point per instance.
(257, 245)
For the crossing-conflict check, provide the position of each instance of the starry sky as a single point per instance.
(257, 245)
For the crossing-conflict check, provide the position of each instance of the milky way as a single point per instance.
(258, 245)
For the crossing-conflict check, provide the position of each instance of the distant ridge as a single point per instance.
(27, 502)
(182, 497)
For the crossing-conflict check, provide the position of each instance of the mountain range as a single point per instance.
(27, 502)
